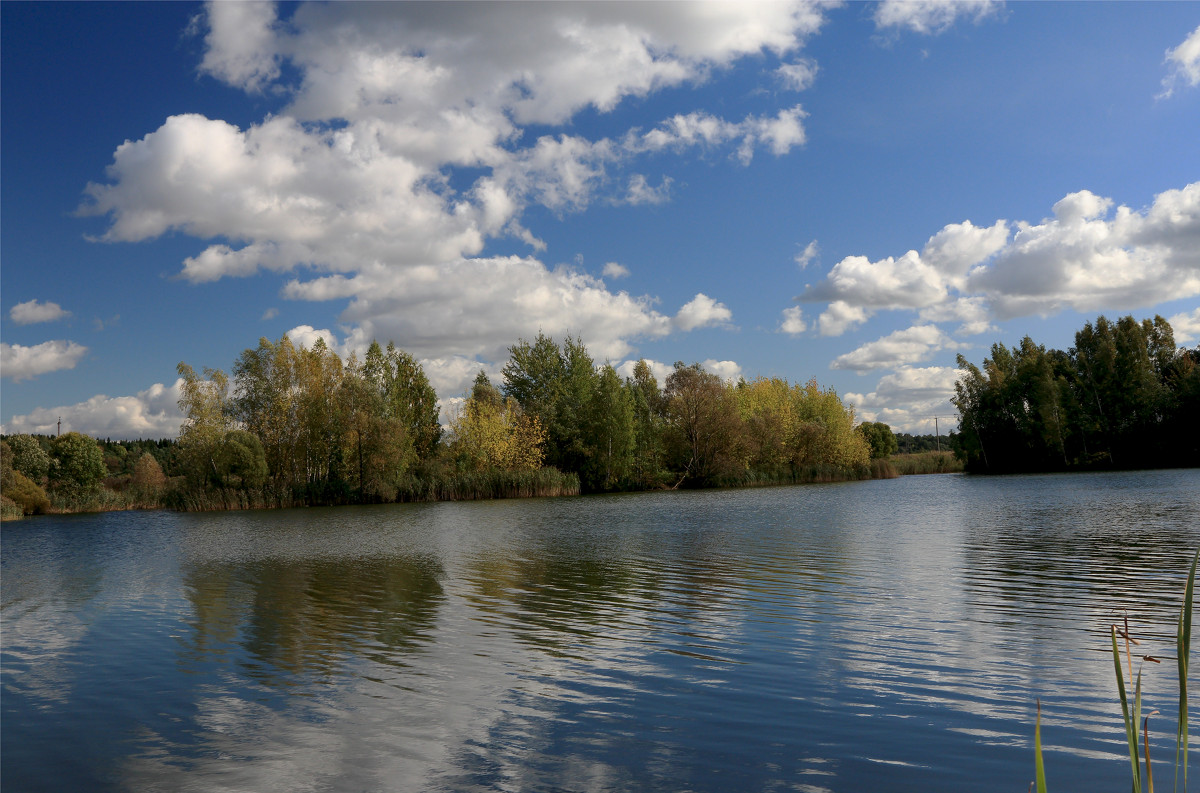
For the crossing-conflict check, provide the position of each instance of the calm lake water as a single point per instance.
(869, 636)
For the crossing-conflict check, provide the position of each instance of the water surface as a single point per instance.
(884, 635)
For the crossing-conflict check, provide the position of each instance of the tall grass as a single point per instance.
(1133, 716)
(476, 485)
(796, 475)
(926, 463)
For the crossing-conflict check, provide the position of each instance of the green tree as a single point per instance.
(241, 461)
(412, 401)
(28, 457)
(78, 467)
(610, 433)
(704, 432)
(646, 401)
(880, 438)
(204, 402)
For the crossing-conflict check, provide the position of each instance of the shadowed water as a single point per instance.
(884, 635)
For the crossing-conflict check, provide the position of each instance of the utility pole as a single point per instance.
(938, 433)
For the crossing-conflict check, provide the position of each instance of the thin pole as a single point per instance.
(938, 433)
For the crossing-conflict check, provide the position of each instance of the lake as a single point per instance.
(887, 635)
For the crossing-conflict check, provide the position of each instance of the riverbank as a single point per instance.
(472, 486)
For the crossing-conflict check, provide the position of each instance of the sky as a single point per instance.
(855, 193)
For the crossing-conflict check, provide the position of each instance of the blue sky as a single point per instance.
(852, 192)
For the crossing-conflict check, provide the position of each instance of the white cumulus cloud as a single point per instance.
(840, 317)
(726, 370)
(615, 270)
(1183, 64)
(31, 312)
(909, 399)
(153, 413)
(899, 348)
(793, 322)
(1186, 326)
(18, 362)
(702, 312)
(1087, 256)
(354, 181)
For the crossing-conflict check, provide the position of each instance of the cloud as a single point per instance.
(909, 399)
(406, 143)
(898, 348)
(778, 134)
(805, 257)
(270, 313)
(615, 270)
(1186, 326)
(1183, 64)
(1087, 257)
(932, 16)
(306, 336)
(726, 370)
(239, 44)
(31, 312)
(640, 192)
(890, 283)
(703, 312)
(914, 280)
(798, 75)
(153, 413)
(477, 307)
(840, 317)
(24, 363)
(793, 322)
(972, 312)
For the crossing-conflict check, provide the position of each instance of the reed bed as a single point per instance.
(477, 485)
(926, 463)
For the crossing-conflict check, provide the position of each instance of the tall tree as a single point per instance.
(704, 437)
(648, 418)
(204, 402)
(610, 433)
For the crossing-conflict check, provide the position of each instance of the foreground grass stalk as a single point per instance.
(1039, 767)
(1130, 723)
(1183, 648)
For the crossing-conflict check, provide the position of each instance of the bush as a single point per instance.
(25, 494)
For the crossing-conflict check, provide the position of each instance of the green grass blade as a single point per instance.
(1038, 766)
(1130, 724)
(1183, 648)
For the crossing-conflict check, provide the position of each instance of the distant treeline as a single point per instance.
(302, 426)
(1122, 397)
(74, 473)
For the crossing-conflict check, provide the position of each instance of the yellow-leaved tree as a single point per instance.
(491, 432)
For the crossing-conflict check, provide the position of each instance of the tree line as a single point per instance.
(1122, 397)
(73, 472)
(300, 425)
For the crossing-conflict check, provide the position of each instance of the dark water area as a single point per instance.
(888, 635)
